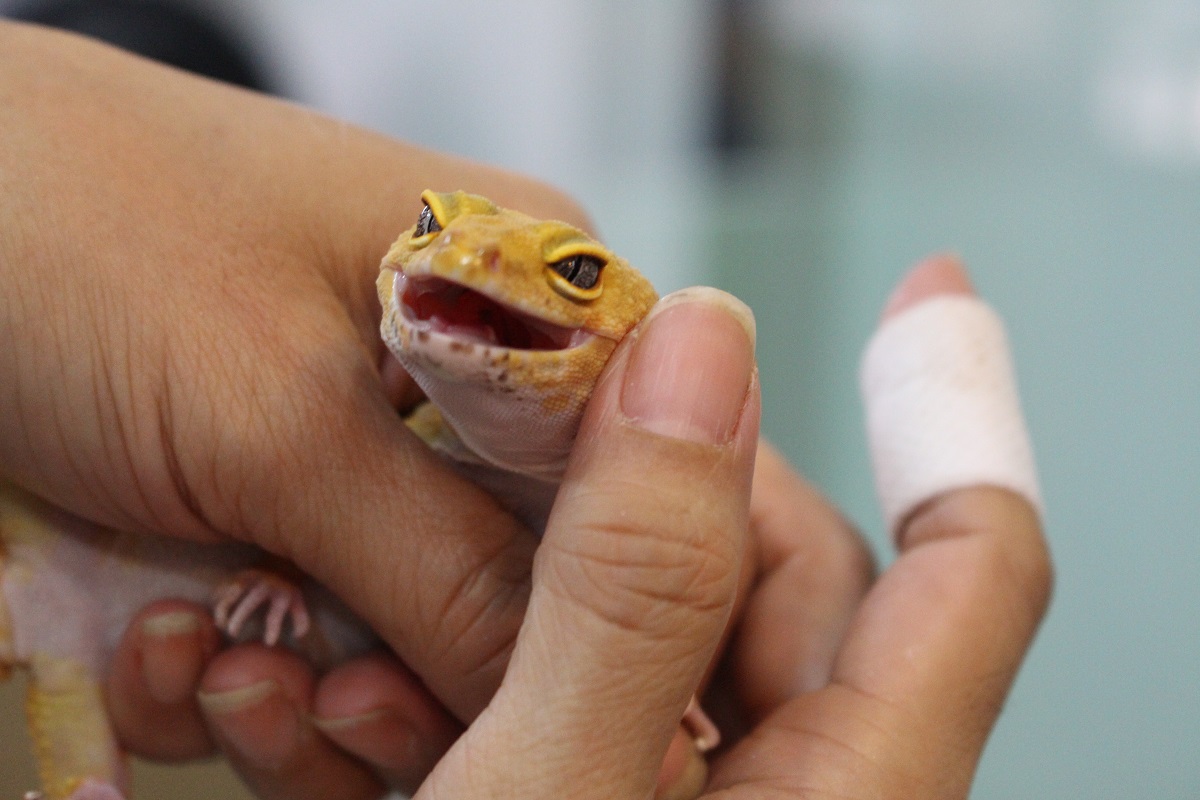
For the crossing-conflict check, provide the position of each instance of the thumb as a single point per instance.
(635, 578)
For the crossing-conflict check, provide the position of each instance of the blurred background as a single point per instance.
(802, 154)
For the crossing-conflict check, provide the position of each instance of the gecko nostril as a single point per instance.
(487, 256)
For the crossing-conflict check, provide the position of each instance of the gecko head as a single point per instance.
(474, 293)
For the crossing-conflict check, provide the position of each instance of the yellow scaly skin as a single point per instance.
(512, 407)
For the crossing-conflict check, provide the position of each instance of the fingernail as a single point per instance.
(691, 366)
(257, 721)
(172, 656)
(236, 700)
(382, 735)
(171, 623)
(354, 721)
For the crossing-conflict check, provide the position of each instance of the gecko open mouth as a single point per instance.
(445, 307)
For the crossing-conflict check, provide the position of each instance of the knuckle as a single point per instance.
(663, 572)
(468, 615)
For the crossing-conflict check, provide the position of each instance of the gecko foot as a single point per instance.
(254, 589)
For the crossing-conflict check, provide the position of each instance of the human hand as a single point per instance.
(832, 683)
(189, 300)
(370, 708)
(918, 678)
(914, 688)
(191, 342)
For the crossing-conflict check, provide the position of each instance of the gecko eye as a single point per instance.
(426, 223)
(582, 271)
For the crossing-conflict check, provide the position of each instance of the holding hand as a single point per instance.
(833, 682)
(914, 688)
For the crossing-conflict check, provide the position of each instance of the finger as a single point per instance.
(153, 680)
(814, 570)
(966, 595)
(636, 576)
(257, 702)
(931, 656)
(378, 711)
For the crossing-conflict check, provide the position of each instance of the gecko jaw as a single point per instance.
(439, 306)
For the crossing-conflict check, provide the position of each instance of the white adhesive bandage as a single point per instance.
(942, 406)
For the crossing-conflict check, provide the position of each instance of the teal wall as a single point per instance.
(1071, 185)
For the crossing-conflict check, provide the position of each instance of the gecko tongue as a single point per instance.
(463, 313)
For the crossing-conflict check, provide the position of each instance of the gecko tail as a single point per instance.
(77, 752)
(88, 790)
(96, 790)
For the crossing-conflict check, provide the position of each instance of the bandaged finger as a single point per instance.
(942, 408)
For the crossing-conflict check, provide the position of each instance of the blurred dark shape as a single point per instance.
(769, 94)
(730, 126)
(173, 33)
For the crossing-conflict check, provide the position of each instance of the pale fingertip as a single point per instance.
(377, 711)
(715, 298)
(258, 722)
(173, 655)
(232, 701)
(171, 624)
(944, 273)
(381, 736)
(691, 367)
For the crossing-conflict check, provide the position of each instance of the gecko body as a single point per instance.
(505, 321)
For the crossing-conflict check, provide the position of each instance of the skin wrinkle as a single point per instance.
(22, 415)
(72, 452)
(1029, 571)
(630, 586)
(127, 437)
(855, 760)
(931, 730)
(23, 231)
(984, 551)
(203, 479)
(244, 448)
(782, 732)
(574, 593)
(168, 425)
(599, 493)
(277, 412)
(460, 615)
(608, 576)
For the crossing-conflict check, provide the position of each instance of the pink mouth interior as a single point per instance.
(463, 313)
